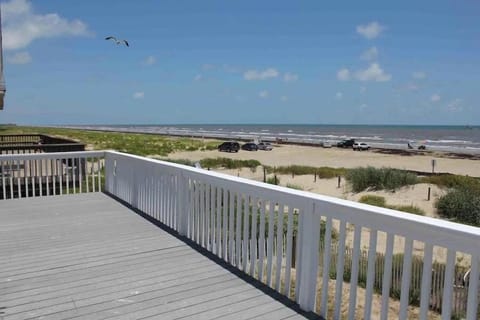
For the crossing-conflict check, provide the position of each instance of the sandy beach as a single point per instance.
(284, 155)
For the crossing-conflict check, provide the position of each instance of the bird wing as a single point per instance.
(110, 38)
(126, 43)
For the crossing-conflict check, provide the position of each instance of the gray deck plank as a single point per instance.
(87, 256)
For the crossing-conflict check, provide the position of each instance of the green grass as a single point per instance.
(321, 172)
(273, 180)
(453, 181)
(228, 163)
(381, 202)
(294, 186)
(139, 144)
(371, 178)
(461, 205)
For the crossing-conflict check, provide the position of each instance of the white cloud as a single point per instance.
(370, 54)
(371, 30)
(261, 75)
(343, 74)
(263, 94)
(435, 98)
(139, 95)
(455, 105)
(363, 90)
(150, 60)
(339, 95)
(198, 77)
(21, 25)
(20, 58)
(284, 98)
(419, 75)
(373, 73)
(207, 66)
(363, 106)
(290, 77)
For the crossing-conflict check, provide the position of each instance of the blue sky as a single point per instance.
(355, 62)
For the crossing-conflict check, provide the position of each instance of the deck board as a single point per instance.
(89, 257)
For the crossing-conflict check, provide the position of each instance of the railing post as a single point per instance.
(109, 178)
(309, 238)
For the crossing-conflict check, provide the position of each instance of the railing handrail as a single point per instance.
(54, 155)
(459, 237)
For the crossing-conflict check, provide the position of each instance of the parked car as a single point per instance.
(265, 146)
(346, 143)
(326, 144)
(229, 146)
(359, 146)
(250, 146)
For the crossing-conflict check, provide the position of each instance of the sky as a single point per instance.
(220, 62)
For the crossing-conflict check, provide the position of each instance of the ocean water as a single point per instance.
(462, 139)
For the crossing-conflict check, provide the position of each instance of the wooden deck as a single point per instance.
(89, 257)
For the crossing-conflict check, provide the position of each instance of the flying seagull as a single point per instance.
(117, 41)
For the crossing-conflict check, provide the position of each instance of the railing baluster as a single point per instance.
(271, 212)
(231, 227)
(4, 194)
(238, 235)
(406, 278)
(253, 237)
(352, 305)
(448, 285)
(387, 276)
(245, 241)
(288, 266)
(261, 244)
(218, 220)
(224, 224)
(19, 185)
(426, 281)
(208, 209)
(73, 175)
(279, 254)
(473, 288)
(372, 252)
(326, 267)
(99, 166)
(340, 269)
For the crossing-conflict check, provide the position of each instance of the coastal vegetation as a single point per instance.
(371, 178)
(134, 143)
(297, 170)
(381, 202)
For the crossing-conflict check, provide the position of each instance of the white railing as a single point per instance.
(281, 237)
(45, 174)
(216, 211)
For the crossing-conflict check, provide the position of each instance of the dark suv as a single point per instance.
(250, 146)
(346, 143)
(229, 146)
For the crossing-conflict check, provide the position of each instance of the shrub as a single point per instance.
(461, 204)
(453, 181)
(410, 209)
(370, 178)
(294, 186)
(373, 200)
(380, 202)
(228, 163)
(273, 180)
(321, 172)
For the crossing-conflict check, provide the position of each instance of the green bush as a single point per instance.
(371, 178)
(410, 209)
(462, 205)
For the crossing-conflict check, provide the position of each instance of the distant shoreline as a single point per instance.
(378, 148)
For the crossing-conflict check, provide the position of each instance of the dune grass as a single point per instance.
(371, 178)
(134, 143)
(321, 172)
(381, 202)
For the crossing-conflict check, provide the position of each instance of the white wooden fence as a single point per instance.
(251, 225)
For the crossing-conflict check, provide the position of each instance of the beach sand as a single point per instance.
(416, 195)
(284, 155)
